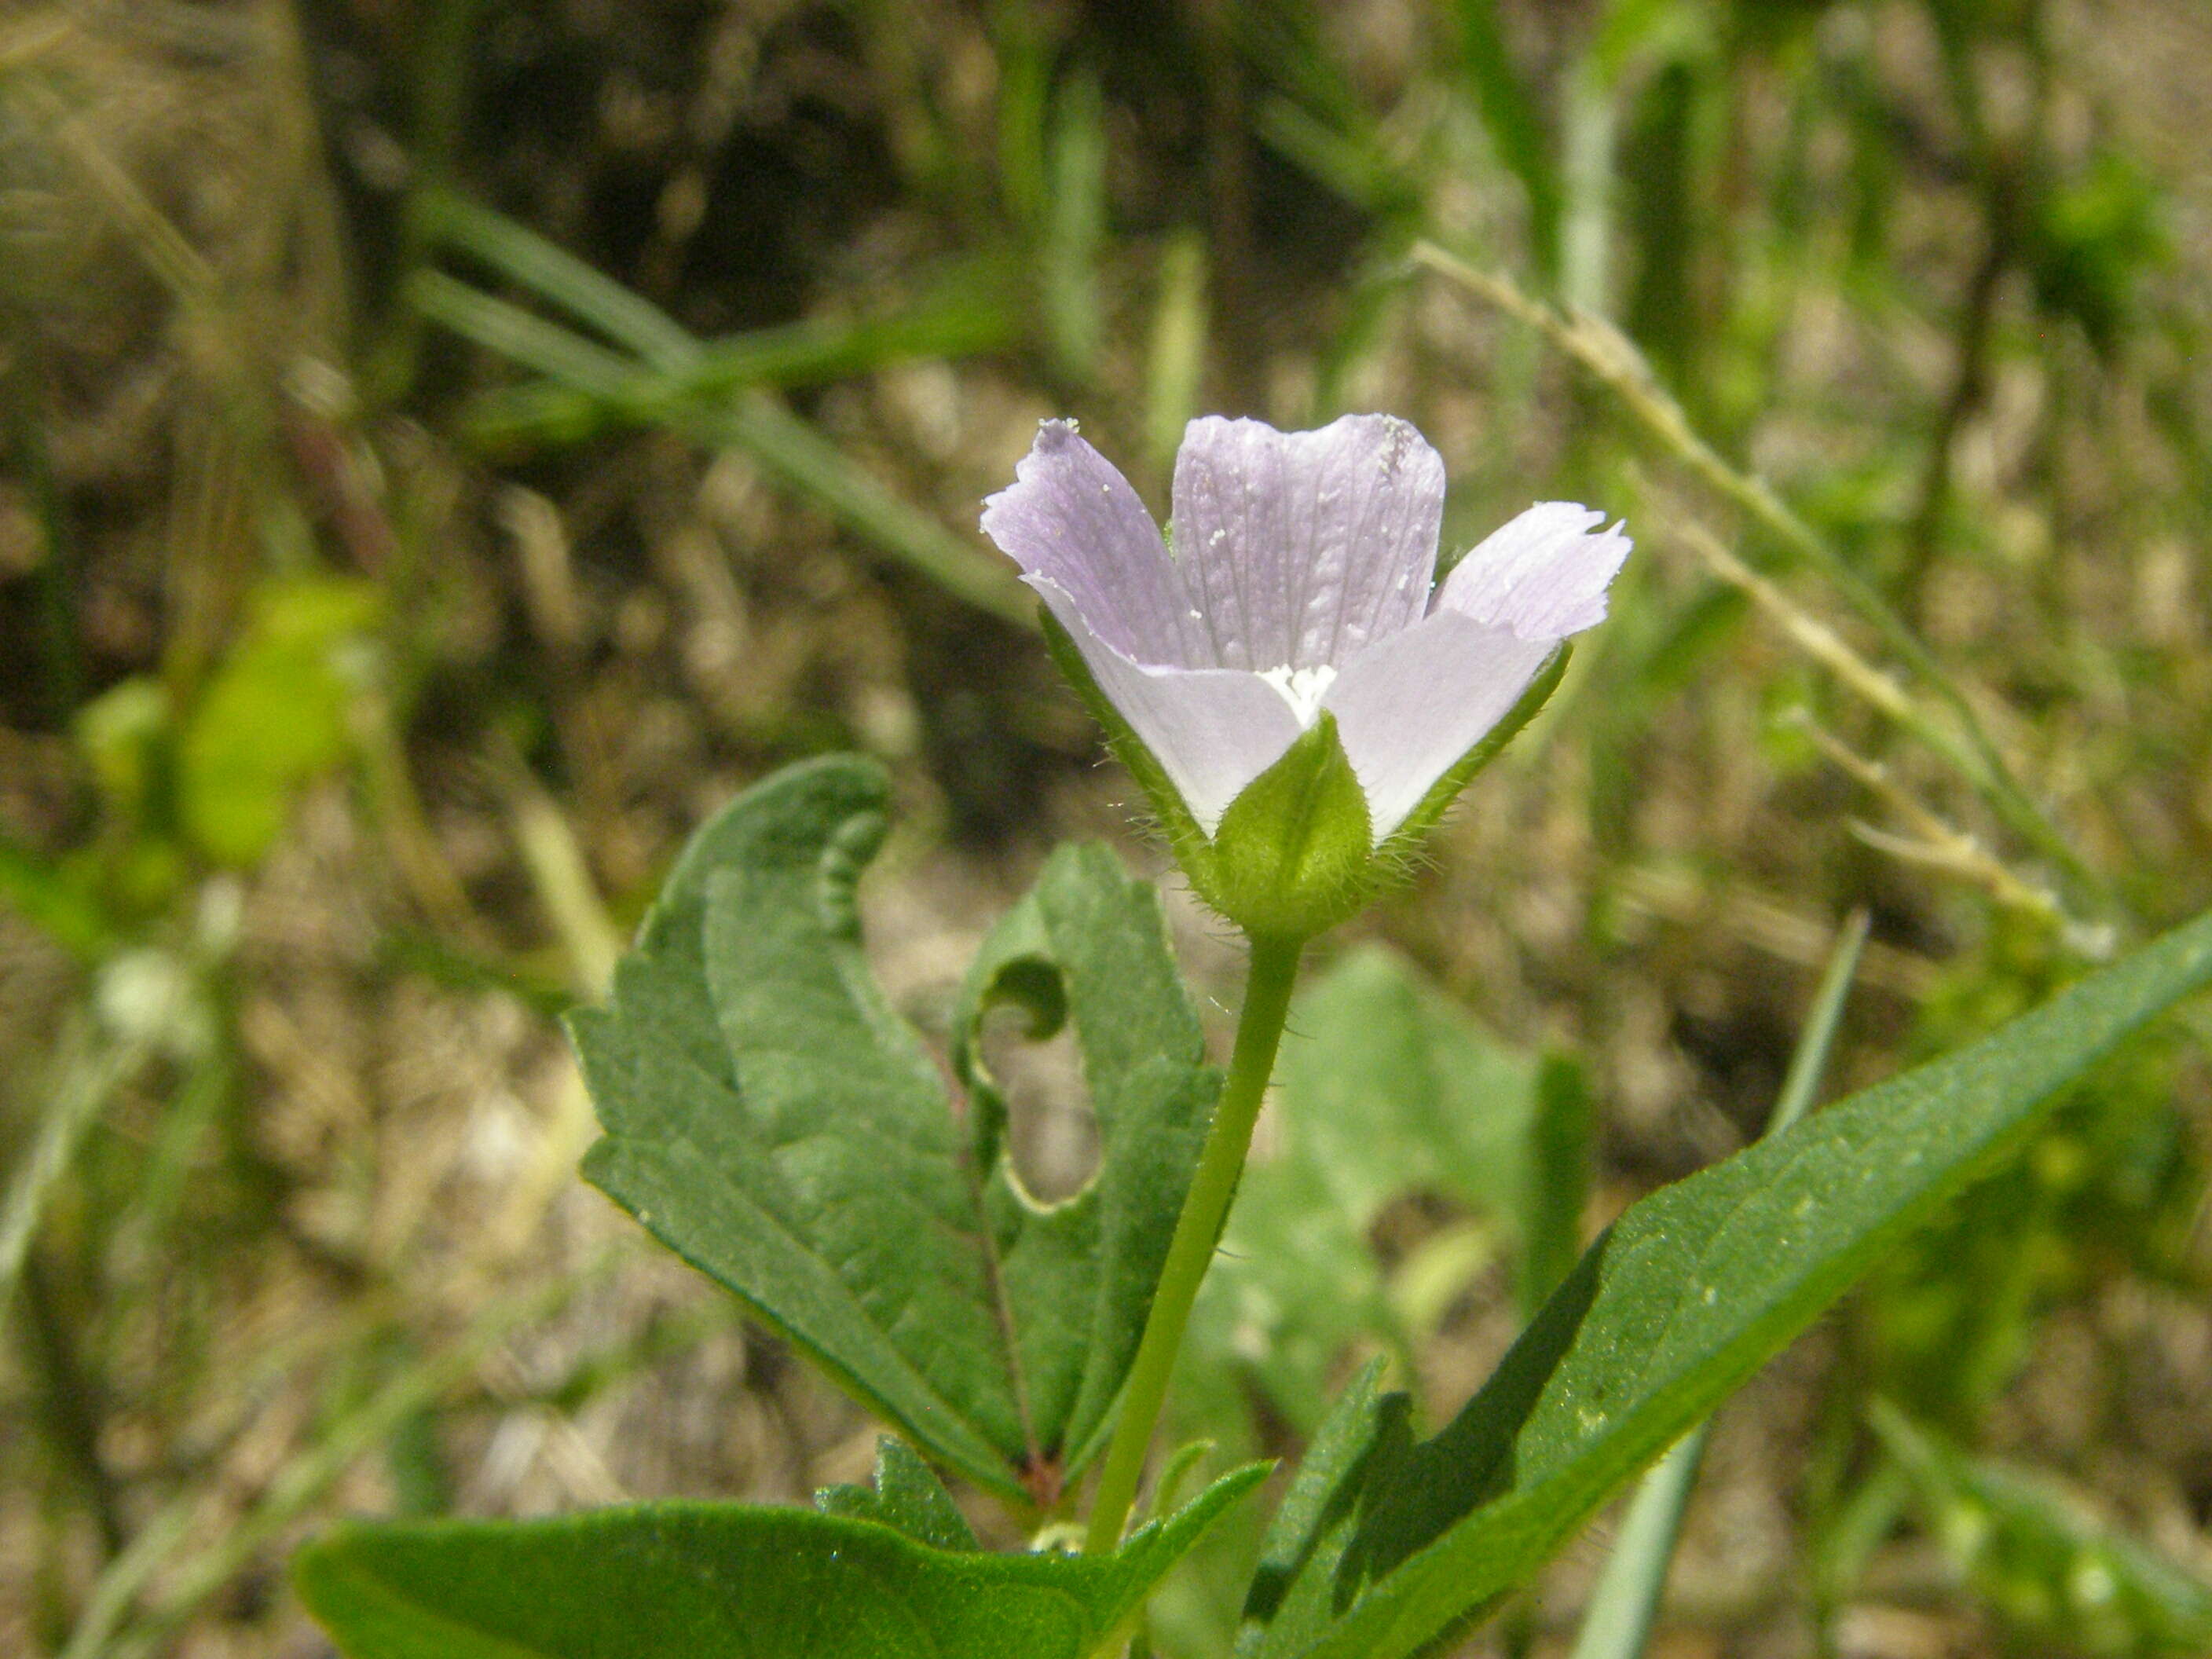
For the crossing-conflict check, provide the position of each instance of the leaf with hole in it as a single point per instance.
(1079, 1275)
(771, 1119)
(1683, 1299)
(681, 1581)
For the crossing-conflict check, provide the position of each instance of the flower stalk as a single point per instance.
(1301, 698)
(1268, 985)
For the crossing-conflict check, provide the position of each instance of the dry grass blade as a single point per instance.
(1616, 363)
(90, 1075)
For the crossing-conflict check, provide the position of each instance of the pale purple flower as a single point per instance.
(1301, 581)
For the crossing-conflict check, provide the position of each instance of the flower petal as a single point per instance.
(1213, 730)
(1543, 575)
(1408, 707)
(1070, 517)
(1301, 547)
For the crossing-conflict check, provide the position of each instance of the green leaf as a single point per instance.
(907, 1497)
(273, 716)
(1556, 1184)
(1383, 1088)
(771, 1119)
(49, 894)
(684, 1580)
(1074, 230)
(1683, 1299)
(2052, 1569)
(1365, 1428)
(1079, 1275)
(2091, 241)
(1623, 1606)
(1176, 363)
(789, 448)
(520, 254)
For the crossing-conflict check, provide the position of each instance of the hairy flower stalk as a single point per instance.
(1300, 698)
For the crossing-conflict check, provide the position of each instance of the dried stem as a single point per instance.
(1616, 363)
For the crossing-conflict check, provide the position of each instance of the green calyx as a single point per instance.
(1295, 854)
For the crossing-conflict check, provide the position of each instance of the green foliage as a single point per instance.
(274, 716)
(1515, 124)
(1384, 1090)
(2091, 238)
(1074, 230)
(1623, 1605)
(51, 896)
(970, 308)
(213, 783)
(1292, 855)
(1660, 215)
(2051, 1570)
(1682, 1299)
(772, 1120)
(680, 1581)
(1947, 1322)
(1078, 1274)
(907, 1497)
(1782, 203)
(711, 392)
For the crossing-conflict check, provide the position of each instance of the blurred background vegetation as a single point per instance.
(451, 445)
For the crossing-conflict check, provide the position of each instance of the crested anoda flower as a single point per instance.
(1298, 611)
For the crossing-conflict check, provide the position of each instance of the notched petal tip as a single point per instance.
(1543, 575)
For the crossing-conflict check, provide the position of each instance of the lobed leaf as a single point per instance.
(774, 1121)
(1079, 1274)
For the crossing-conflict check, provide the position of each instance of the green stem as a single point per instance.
(1259, 1028)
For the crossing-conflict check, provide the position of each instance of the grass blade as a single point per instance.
(1618, 1623)
(785, 446)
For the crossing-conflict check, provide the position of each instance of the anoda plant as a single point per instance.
(1299, 698)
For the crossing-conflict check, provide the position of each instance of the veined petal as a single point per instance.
(1213, 730)
(1408, 707)
(1299, 548)
(1543, 575)
(1072, 519)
